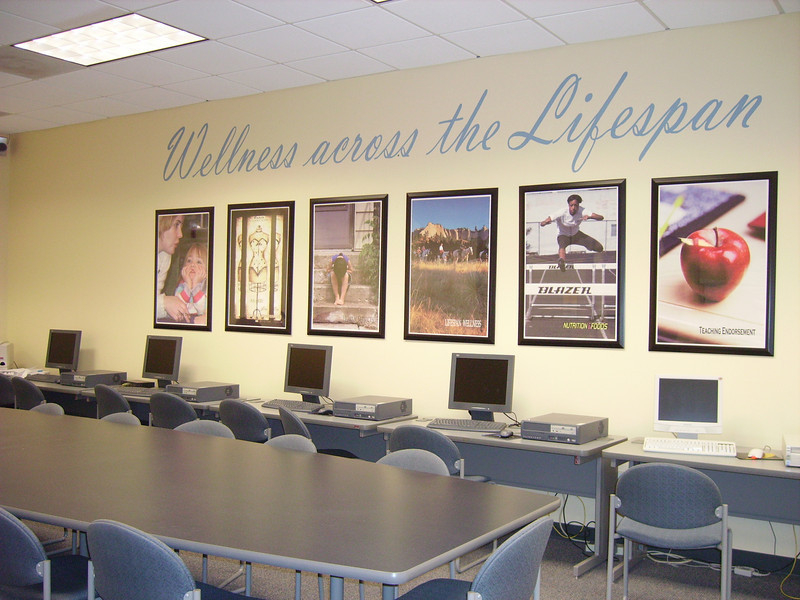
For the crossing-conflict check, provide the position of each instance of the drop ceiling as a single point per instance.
(255, 46)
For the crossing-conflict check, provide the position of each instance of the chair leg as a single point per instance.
(298, 582)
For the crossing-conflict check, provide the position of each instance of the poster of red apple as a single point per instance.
(713, 263)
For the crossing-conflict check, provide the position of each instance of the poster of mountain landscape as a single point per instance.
(450, 265)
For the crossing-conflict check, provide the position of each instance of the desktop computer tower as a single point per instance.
(373, 408)
(89, 379)
(563, 428)
(204, 391)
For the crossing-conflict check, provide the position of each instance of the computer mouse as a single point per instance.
(506, 433)
(755, 453)
(322, 410)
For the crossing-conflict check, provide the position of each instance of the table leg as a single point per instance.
(337, 588)
(606, 478)
(389, 592)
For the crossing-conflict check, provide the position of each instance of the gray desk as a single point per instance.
(765, 490)
(550, 466)
(341, 517)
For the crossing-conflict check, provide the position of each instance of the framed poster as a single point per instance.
(572, 264)
(260, 247)
(184, 253)
(712, 286)
(451, 242)
(347, 266)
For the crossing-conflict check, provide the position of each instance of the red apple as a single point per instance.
(713, 262)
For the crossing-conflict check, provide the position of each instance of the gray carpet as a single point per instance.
(648, 580)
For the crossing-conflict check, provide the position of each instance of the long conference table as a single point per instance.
(324, 514)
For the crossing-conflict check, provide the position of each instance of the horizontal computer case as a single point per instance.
(373, 408)
(563, 428)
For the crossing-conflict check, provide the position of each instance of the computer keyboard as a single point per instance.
(132, 390)
(295, 405)
(466, 425)
(44, 377)
(687, 446)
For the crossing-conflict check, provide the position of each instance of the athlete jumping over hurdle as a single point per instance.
(569, 222)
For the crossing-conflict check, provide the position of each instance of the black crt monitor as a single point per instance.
(63, 347)
(308, 371)
(688, 406)
(162, 359)
(483, 384)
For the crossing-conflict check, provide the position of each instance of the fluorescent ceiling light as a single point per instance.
(110, 40)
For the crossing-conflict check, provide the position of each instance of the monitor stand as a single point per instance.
(687, 436)
(163, 383)
(481, 415)
(313, 398)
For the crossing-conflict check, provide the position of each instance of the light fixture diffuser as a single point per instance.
(110, 40)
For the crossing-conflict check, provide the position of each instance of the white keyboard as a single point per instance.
(686, 446)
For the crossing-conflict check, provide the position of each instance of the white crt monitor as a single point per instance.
(688, 406)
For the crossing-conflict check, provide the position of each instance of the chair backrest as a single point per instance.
(20, 550)
(130, 564)
(26, 393)
(668, 495)
(6, 391)
(292, 423)
(49, 408)
(206, 427)
(416, 459)
(169, 410)
(512, 570)
(245, 420)
(109, 401)
(125, 418)
(293, 441)
(414, 436)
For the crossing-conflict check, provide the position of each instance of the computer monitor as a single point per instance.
(162, 359)
(483, 384)
(688, 407)
(63, 347)
(308, 370)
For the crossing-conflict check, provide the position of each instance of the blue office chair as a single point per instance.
(26, 573)
(510, 573)
(206, 427)
(49, 408)
(109, 401)
(129, 564)
(668, 506)
(6, 391)
(416, 459)
(245, 420)
(292, 441)
(414, 436)
(125, 418)
(292, 424)
(168, 410)
(26, 393)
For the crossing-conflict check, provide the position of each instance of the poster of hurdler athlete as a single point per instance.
(571, 253)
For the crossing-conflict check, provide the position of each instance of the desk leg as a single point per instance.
(337, 588)
(389, 592)
(606, 478)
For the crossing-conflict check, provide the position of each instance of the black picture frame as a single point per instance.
(184, 268)
(704, 299)
(451, 247)
(349, 232)
(259, 267)
(576, 299)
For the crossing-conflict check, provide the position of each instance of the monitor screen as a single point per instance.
(162, 359)
(63, 347)
(688, 407)
(308, 370)
(481, 383)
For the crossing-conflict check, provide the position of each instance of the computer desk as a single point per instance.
(549, 466)
(302, 511)
(765, 490)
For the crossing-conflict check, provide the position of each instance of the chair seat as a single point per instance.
(439, 589)
(709, 536)
(68, 575)
(209, 592)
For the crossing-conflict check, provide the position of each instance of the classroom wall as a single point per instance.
(82, 201)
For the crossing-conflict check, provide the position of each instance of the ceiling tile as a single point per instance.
(59, 115)
(105, 107)
(445, 16)
(292, 11)
(210, 18)
(340, 66)
(363, 28)
(690, 13)
(149, 69)
(418, 53)
(212, 88)
(275, 77)
(20, 122)
(601, 23)
(284, 44)
(157, 98)
(212, 58)
(545, 8)
(502, 39)
(16, 29)
(60, 14)
(94, 83)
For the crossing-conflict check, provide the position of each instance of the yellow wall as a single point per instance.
(82, 201)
